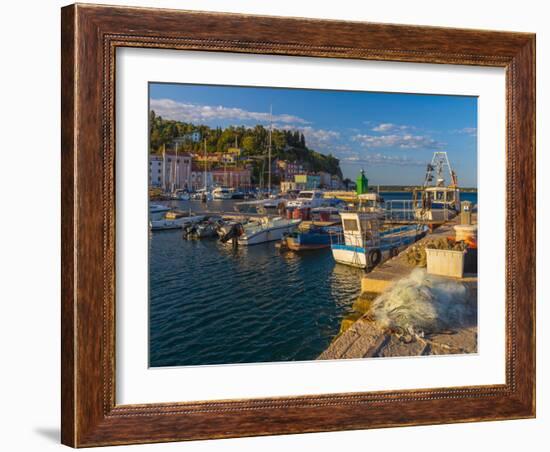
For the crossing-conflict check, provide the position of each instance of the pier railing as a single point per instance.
(408, 210)
(400, 209)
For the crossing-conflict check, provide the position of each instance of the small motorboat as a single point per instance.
(175, 220)
(157, 211)
(314, 238)
(266, 229)
(208, 228)
(180, 195)
(222, 193)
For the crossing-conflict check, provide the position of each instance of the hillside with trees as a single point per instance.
(287, 145)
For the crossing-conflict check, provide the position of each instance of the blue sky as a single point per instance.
(391, 136)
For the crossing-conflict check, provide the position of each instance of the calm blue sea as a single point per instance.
(210, 304)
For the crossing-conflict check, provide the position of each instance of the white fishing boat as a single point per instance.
(174, 223)
(364, 244)
(436, 201)
(222, 193)
(266, 229)
(157, 211)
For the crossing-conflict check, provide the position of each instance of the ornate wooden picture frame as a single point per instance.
(90, 37)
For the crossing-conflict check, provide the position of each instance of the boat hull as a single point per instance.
(391, 244)
(178, 223)
(303, 241)
(268, 234)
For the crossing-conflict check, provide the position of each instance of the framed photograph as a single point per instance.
(281, 225)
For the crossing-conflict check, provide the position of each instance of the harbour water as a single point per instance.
(210, 304)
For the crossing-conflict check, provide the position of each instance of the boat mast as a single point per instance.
(205, 164)
(175, 181)
(269, 149)
(164, 167)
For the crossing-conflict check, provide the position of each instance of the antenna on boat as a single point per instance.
(436, 168)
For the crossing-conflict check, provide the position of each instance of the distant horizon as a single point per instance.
(392, 136)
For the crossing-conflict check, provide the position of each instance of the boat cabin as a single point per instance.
(436, 203)
(361, 229)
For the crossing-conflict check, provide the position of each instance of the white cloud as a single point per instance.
(471, 131)
(319, 136)
(381, 159)
(315, 138)
(188, 112)
(402, 141)
(389, 127)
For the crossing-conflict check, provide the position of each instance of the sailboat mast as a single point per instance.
(175, 181)
(205, 163)
(269, 149)
(164, 167)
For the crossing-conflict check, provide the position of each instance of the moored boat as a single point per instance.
(204, 229)
(157, 211)
(178, 222)
(364, 244)
(314, 238)
(266, 230)
(238, 195)
(222, 193)
(307, 198)
(437, 202)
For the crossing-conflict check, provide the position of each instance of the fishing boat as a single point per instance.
(222, 193)
(314, 238)
(175, 221)
(265, 229)
(157, 211)
(435, 201)
(364, 244)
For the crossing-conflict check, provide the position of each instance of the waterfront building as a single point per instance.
(307, 181)
(237, 152)
(336, 182)
(176, 174)
(232, 177)
(197, 177)
(287, 186)
(287, 170)
(325, 179)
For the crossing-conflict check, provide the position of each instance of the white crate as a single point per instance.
(445, 262)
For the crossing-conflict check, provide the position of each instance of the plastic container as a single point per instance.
(445, 262)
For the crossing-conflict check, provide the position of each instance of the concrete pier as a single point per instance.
(364, 338)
